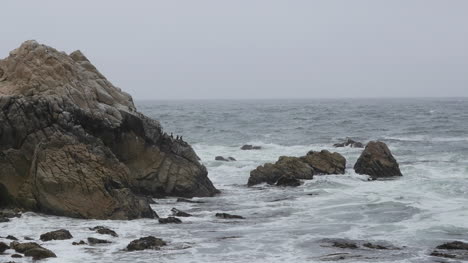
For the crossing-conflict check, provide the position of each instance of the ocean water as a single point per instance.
(422, 209)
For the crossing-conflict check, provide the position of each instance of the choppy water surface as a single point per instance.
(422, 209)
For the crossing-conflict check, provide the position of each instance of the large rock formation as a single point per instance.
(305, 167)
(73, 144)
(377, 161)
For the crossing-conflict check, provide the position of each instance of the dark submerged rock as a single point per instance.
(457, 245)
(95, 241)
(143, 243)
(23, 247)
(228, 216)
(170, 220)
(81, 242)
(177, 212)
(221, 158)
(3, 247)
(10, 237)
(185, 200)
(39, 253)
(349, 142)
(250, 147)
(61, 234)
(104, 231)
(377, 161)
(16, 256)
(288, 181)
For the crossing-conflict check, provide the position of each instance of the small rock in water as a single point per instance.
(228, 216)
(23, 247)
(288, 181)
(3, 247)
(250, 147)
(143, 243)
(345, 244)
(374, 246)
(10, 237)
(377, 161)
(454, 245)
(16, 256)
(170, 220)
(177, 212)
(232, 158)
(39, 253)
(104, 231)
(79, 243)
(350, 142)
(28, 238)
(94, 241)
(4, 220)
(61, 234)
(185, 200)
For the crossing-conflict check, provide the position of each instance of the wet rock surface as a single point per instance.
(3, 247)
(305, 167)
(452, 250)
(95, 241)
(170, 220)
(177, 212)
(349, 142)
(225, 159)
(104, 231)
(61, 234)
(144, 243)
(247, 147)
(72, 144)
(288, 181)
(377, 161)
(228, 216)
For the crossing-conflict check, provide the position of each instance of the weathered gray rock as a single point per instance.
(377, 161)
(60, 234)
(143, 243)
(73, 144)
(305, 167)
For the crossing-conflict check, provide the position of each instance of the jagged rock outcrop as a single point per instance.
(73, 144)
(305, 167)
(377, 161)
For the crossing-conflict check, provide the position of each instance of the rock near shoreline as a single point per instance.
(72, 144)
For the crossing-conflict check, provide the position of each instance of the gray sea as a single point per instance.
(414, 213)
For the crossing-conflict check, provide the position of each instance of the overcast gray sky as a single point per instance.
(208, 49)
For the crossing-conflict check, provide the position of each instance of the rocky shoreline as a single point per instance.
(74, 145)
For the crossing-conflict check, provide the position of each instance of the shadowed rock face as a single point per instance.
(73, 144)
(377, 161)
